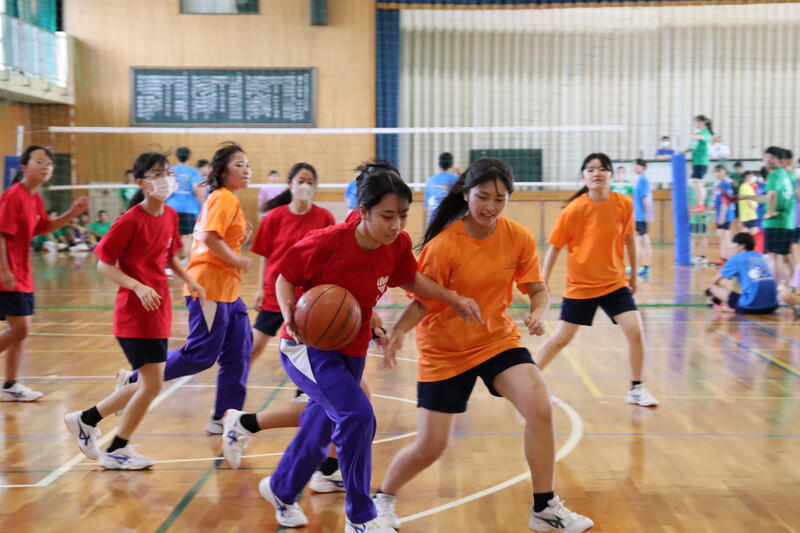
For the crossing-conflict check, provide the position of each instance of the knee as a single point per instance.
(150, 388)
(561, 340)
(540, 414)
(430, 449)
(19, 331)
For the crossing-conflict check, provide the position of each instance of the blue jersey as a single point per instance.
(183, 199)
(755, 279)
(665, 151)
(436, 188)
(640, 193)
(350, 195)
(723, 194)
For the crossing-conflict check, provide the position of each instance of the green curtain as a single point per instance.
(41, 13)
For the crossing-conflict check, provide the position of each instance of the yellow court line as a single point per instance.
(585, 378)
(777, 362)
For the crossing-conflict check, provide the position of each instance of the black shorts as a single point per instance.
(641, 228)
(581, 312)
(778, 240)
(451, 395)
(143, 351)
(186, 222)
(699, 228)
(268, 322)
(699, 171)
(733, 303)
(750, 223)
(724, 226)
(15, 303)
(797, 232)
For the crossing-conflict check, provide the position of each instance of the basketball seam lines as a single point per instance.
(335, 315)
(312, 308)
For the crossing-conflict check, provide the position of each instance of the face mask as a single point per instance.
(163, 187)
(302, 192)
(665, 144)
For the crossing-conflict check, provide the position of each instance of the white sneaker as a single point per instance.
(300, 397)
(122, 379)
(386, 512)
(80, 247)
(234, 437)
(19, 393)
(214, 427)
(639, 395)
(127, 458)
(323, 484)
(287, 515)
(556, 517)
(375, 525)
(85, 434)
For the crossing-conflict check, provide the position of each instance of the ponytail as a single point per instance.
(583, 190)
(138, 197)
(707, 121)
(17, 177)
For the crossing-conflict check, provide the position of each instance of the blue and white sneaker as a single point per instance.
(385, 505)
(556, 517)
(375, 525)
(127, 458)
(85, 434)
(234, 437)
(287, 514)
(19, 393)
(324, 484)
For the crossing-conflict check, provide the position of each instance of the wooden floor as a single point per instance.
(721, 453)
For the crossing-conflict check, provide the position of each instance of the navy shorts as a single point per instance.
(778, 240)
(143, 351)
(451, 395)
(733, 303)
(581, 311)
(268, 322)
(699, 228)
(724, 226)
(186, 223)
(15, 303)
(750, 223)
(699, 171)
(641, 227)
(797, 233)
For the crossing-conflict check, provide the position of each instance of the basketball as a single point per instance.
(327, 317)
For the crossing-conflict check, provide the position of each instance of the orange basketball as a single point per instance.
(327, 317)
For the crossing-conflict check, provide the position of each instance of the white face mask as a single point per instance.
(163, 187)
(302, 192)
(665, 144)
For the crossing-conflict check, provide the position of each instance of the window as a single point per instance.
(219, 7)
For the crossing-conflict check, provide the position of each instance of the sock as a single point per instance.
(10, 383)
(116, 444)
(634, 383)
(249, 421)
(329, 466)
(716, 300)
(540, 500)
(91, 416)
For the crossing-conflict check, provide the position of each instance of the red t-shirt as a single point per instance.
(139, 244)
(280, 230)
(332, 255)
(22, 216)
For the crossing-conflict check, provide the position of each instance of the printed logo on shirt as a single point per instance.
(382, 282)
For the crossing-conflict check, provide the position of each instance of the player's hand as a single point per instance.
(197, 291)
(148, 296)
(393, 345)
(8, 280)
(248, 232)
(535, 325)
(467, 308)
(258, 301)
(287, 310)
(244, 263)
(632, 281)
(80, 205)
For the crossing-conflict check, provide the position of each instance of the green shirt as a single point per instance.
(126, 194)
(622, 187)
(101, 228)
(700, 148)
(782, 182)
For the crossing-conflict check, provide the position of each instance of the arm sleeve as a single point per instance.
(303, 259)
(559, 236)
(433, 263)
(627, 214)
(44, 221)
(176, 244)
(220, 215)
(528, 269)
(262, 244)
(9, 213)
(112, 247)
(730, 268)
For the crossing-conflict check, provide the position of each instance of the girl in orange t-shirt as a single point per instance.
(596, 225)
(467, 236)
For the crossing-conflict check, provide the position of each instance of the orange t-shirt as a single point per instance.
(482, 269)
(594, 233)
(223, 215)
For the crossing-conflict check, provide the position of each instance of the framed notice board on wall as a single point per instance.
(241, 96)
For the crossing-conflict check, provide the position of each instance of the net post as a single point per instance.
(680, 211)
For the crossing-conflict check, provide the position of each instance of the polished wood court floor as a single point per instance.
(721, 453)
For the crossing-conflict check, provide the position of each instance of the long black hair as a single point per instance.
(454, 205)
(285, 197)
(25, 159)
(219, 164)
(143, 163)
(605, 161)
(377, 179)
(707, 121)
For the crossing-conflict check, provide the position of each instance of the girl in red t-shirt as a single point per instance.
(134, 255)
(22, 216)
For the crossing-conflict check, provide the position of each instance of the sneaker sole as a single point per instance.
(266, 492)
(333, 487)
(224, 447)
(6, 398)
(74, 431)
(104, 467)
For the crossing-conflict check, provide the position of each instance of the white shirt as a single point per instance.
(717, 150)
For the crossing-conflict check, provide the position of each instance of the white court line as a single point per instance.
(69, 465)
(42, 334)
(576, 433)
